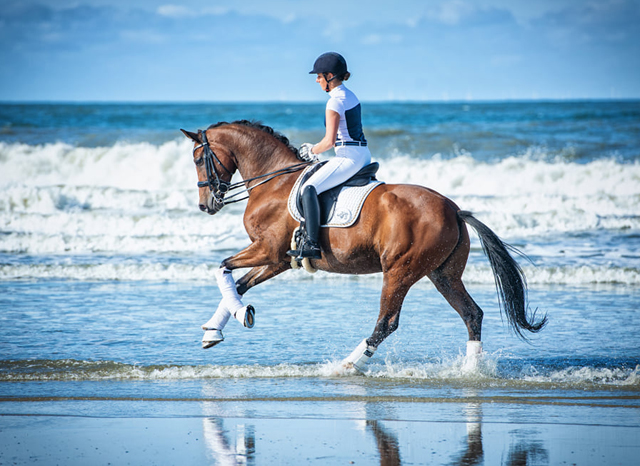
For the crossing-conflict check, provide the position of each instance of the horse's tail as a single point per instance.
(510, 281)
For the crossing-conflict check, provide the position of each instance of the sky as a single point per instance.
(250, 50)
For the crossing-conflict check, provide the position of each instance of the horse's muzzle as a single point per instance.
(211, 205)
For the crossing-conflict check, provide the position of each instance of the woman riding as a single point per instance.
(343, 124)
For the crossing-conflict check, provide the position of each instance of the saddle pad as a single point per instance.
(348, 205)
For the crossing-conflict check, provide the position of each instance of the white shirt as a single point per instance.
(346, 104)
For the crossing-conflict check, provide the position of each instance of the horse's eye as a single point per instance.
(199, 161)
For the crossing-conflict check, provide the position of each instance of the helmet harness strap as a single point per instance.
(324, 75)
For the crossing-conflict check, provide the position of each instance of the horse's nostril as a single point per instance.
(203, 207)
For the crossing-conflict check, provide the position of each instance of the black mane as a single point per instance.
(267, 129)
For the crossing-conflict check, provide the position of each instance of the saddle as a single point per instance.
(339, 206)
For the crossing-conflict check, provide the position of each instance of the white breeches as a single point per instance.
(347, 162)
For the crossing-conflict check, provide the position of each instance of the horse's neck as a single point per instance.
(260, 159)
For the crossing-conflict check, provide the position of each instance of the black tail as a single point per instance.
(510, 280)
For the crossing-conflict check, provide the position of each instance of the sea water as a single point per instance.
(106, 262)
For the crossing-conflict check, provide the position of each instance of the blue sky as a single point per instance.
(248, 50)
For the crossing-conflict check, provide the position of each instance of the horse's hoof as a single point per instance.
(209, 344)
(246, 316)
(345, 369)
(211, 338)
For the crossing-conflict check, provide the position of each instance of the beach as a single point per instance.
(475, 430)
(107, 274)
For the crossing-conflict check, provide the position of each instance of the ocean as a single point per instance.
(106, 267)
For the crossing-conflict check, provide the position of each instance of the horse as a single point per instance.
(406, 232)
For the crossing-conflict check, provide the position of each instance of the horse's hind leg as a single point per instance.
(456, 294)
(448, 281)
(394, 290)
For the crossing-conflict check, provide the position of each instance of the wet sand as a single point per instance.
(386, 432)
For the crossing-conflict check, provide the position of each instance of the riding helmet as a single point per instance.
(330, 62)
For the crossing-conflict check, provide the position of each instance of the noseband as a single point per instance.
(219, 187)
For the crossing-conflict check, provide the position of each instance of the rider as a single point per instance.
(343, 132)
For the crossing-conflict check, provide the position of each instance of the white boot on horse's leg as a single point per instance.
(213, 327)
(219, 318)
(227, 287)
(246, 315)
(360, 356)
(211, 338)
(474, 354)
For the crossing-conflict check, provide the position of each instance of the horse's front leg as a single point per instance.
(261, 274)
(394, 290)
(231, 304)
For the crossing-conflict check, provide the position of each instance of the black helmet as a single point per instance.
(330, 62)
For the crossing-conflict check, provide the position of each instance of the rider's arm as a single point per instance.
(332, 121)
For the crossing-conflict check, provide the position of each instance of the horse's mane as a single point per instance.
(266, 129)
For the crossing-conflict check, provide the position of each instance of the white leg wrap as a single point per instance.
(227, 287)
(219, 319)
(474, 348)
(211, 338)
(246, 315)
(360, 356)
(474, 353)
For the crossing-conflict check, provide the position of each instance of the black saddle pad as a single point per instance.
(329, 198)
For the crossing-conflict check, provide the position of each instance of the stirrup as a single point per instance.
(307, 249)
(310, 253)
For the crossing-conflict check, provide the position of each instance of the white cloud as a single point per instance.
(175, 11)
(452, 12)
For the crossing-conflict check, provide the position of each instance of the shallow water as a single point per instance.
(146, 331)
(106, 274)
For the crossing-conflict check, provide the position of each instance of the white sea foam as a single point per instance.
(126, 166)
(144, 166)
(135, 199)
(128, 271)
(487, 373)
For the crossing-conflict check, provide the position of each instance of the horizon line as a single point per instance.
(310, 102)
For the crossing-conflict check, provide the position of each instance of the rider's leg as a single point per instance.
(310, 247)
(335, 171)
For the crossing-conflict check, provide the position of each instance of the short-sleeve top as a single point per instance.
(346, 104)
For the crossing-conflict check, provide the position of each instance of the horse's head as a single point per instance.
(214, 171)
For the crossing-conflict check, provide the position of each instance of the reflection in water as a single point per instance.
(473, 453)
(526, 453)
(233, 443)
(226, 454)
(387, 443)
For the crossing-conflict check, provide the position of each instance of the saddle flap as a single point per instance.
(339, 206)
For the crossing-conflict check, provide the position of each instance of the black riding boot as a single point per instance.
(311, 210)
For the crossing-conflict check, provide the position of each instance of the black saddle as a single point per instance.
(329, 198)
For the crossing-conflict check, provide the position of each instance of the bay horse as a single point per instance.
(407, 232)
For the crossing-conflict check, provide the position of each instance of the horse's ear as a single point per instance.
(193, 136)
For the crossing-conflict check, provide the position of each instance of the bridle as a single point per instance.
(219, 187)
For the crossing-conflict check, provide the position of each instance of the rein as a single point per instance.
(219, 187)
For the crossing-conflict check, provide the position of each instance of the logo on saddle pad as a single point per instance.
(340, 206)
